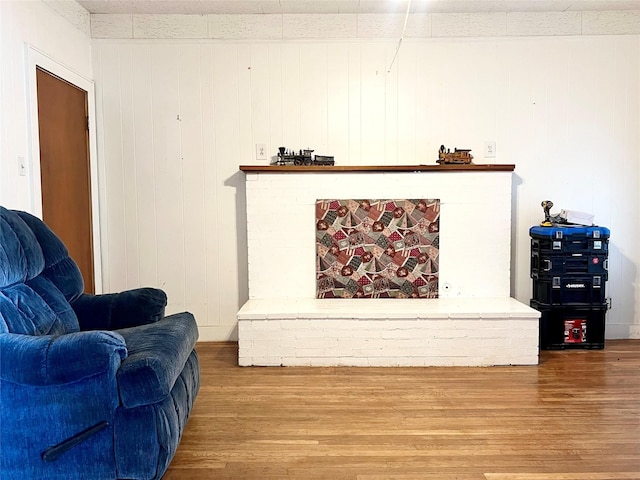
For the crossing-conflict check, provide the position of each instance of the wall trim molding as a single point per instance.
(37, 58)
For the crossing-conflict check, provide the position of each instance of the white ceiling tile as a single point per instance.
(450, 24)
(170, 26)
(249, 7)
(452, 6)
(377, 25)
(601, 5)
(543, 23)
(531, 6)
(319, 26)
(611, 23)
(488, 25)
(419, 26)
(245, 26)
(348, 6)
(383, 6)
(112, 25)
(309, 6)
(73, 12)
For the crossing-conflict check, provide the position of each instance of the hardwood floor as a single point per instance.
(576, 416)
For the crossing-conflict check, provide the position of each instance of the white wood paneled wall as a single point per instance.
(177, 118)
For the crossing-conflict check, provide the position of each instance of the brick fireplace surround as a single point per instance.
(473, 323)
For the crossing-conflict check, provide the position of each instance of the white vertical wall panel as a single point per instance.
(207, 256)
(276, 98)
(337, 101)
(373, 73)
(407, 86)
(355, 133)
(169, 179)
(177, 118)
(232, 119)
(261, 95)
(113, 214)
(129, 166)
(144, 164)
(390, 108)
(246, 147)
(192, 159)
(314, 96)
(293, 104)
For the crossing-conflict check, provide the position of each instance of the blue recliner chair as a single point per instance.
(91, 386)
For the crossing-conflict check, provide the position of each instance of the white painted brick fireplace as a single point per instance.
(474, 322)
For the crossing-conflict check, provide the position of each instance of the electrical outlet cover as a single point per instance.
(489, 149)
(261, 151)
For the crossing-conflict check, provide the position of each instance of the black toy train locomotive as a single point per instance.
(302, 158)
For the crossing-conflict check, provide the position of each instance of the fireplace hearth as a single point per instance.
(307, 290)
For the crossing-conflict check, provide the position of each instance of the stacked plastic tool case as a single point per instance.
(569, 268)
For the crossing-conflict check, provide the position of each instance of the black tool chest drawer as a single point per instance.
(547, 265)
(571, 327)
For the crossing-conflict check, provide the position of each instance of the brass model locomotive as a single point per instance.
(445, 156)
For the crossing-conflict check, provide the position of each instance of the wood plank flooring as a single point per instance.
(576, 416)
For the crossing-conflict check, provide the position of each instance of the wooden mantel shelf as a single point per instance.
(376, 168)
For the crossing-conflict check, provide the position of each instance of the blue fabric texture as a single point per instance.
(70, 361)
(157, 353)
(120, 310)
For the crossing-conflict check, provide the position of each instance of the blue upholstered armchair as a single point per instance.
(91, 387)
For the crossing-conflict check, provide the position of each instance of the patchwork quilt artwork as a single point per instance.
(377, 248)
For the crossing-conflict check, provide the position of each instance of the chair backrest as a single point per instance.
(38, 279)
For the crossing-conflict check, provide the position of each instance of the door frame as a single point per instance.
(37, 58)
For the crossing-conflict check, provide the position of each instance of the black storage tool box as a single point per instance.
(575, 239)
(547, 265)
(570, 267)
(571, 327)
(570, 290)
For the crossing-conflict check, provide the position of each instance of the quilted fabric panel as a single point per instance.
(377, 248)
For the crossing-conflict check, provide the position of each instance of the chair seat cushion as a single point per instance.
(157, 353)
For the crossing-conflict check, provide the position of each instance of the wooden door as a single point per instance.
(64, 168)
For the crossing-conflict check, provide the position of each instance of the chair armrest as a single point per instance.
(158, 353)
(114, 311)
(59, 359)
